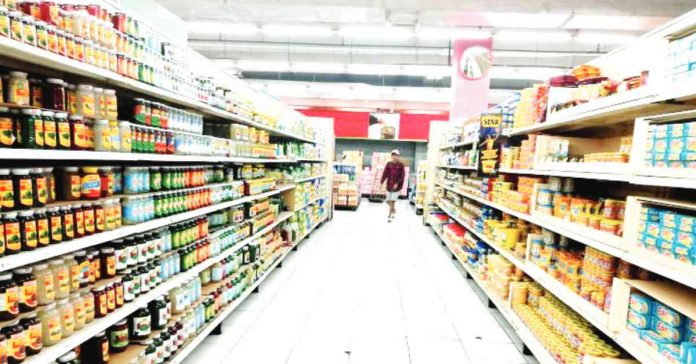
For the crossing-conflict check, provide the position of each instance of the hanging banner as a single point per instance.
(472, 61)
(490, 143)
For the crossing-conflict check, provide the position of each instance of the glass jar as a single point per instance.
(98, 352)
(74, 271)
(61, 277)
(89, 57)
(42, 35)
(62, 39)
(30, 129)
(89, 304)
(55, 225)
(106, 177)
(7, 125)
(54, 95)
(79, 133)
(140, 324)
(16, 26)
(118, 289)
(23, 188)
(108, 262)
(45, 286)
(9, 293)
(79, 49)
(102, 135)
(88, 212)
(125, 136)
(91, 183)
(52, 38)
(29, 31)
(16, 341)
(39, 183)
(26, 282)
(94, 266)
(99, 216)
(18, 91)
(79, 313)
(67, 317)
(83, 268)
(128, 282)
(100, 304)
(63, 131)
(51, 328)
(118, 337)
(50, 130)
(42, 228)
(4, 22)
(33, 332)
(27, 229)
(110, 297)
(79, 217)
(68, 223)
(7, 197)
(86, 101)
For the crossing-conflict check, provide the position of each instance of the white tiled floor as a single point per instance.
(362, 291)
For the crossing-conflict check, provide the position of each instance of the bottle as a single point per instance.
(9, 293)
(7, 190)
(33, 332)
(26, 282)
(50, 129)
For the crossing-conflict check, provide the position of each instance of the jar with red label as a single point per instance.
(26, 282)
(33, 332)
(88, 212)
(91, 183)
(16, 343)
(49, 12)
(9, 294)
(118, 337)
(100, 308)
(106, 176)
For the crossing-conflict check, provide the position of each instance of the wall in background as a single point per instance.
(411, 152)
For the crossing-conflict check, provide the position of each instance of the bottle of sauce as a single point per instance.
(118, 288)
(45, 284)
(23, 188)
(27, 229)
(94, 266)
(89, 304)
(7, 191)
(110, 297)
(139, 324)
(61, 277)
(74, 270)
(99, 216)
(79, 215)
(54, 97)
(13, 235)
(106, 177)
(100, 305)
(88, 212)
(39, 186)
(91, 183)
(108, 262)
(50, 130)
(31, 127)
(33, 332)
(118, 337)
(71, 184)
(55, 225)
(68, 223)
(98, 349)
(67, 317)
(50, 324)
(26, 282)
(42, 227)
(51, 178)
(83, 268)
(63, 130)
(16, 342)
(78, 306)
(9, 294)
(78, 133)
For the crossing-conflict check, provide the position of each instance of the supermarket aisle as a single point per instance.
(364, 291)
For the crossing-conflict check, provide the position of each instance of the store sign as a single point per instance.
(470, 77)
(489, 143)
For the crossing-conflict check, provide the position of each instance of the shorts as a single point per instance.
(392, 196)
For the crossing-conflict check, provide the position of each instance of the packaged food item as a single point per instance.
(641, 303)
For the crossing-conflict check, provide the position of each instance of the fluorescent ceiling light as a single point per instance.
(316, 67)
(525, 73)
(432, 72)
(524, 20)
(541, 54)
(373, 69)
(604, 38)
(452, 33)
(297, 30)
(376, 32)
(526, 36)
(220, 27)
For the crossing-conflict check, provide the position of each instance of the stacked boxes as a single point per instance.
(681, 58)
(669, 233)
(671, 145)
(662, 328)
(345, 192)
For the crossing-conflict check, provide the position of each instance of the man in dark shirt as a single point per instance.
(393, 174)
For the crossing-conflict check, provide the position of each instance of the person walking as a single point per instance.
(393, 174)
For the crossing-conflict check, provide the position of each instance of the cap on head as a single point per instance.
(395, 151)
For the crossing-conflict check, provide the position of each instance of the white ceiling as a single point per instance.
(531, 37)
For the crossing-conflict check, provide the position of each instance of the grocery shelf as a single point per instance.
(458, 144)
(667, 267)
(639, 349)
(13, 261)
(594, 315)
(315, 160)
(50, 354)
(201, 335)
(463, 168)
(37, 56)
(308, 178)
(590, 237)
(527, 337)
(311, 229)
(614, 109)
(82, 155)
(309, 203)
(599, 171)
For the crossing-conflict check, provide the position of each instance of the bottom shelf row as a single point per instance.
(551, 330)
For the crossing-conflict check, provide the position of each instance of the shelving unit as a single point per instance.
(636, 113)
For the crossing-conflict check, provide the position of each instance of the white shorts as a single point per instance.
(392, 196)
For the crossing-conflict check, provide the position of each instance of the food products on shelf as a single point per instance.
(668, 232)
(671, 145)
